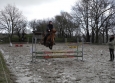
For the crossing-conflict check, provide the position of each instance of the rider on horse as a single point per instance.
(48, 30)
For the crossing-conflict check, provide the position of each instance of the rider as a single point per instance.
(49, 28)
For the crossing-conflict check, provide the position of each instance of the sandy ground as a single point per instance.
(95, 68)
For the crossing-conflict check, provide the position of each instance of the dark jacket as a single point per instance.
(111, 44)
(49, 27)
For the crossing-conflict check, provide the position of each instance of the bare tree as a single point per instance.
(94, 16)
(9, 17)
(33, 24)
(64, 24)
(38, 25)
(20, 29)
(102, 11)
(81, 15)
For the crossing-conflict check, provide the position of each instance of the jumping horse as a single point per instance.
(51, 39)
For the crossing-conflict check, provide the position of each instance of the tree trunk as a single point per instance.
(103, 37)
(97, 38)
(93, 36)
(97, 30)
(87, 36)
(106, 35)
(9, 39)
(87, 23)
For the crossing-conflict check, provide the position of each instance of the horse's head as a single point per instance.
(53, 31)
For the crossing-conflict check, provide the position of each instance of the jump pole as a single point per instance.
(34, 52)
(36, 35)
(51, 52)
(33, 49)
(47, 54)
(57, 56)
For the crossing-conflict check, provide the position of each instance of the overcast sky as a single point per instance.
(40, 9)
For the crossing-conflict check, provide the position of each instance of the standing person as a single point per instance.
(111, 47)
(48, 30)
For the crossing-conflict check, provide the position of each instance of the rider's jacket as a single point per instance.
(49, 27)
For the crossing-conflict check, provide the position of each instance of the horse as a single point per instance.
(51, 39)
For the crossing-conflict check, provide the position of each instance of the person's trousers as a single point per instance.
(111, 54)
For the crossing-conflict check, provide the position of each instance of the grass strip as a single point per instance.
(5, 75)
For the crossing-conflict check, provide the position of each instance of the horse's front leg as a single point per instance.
(53, 40)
